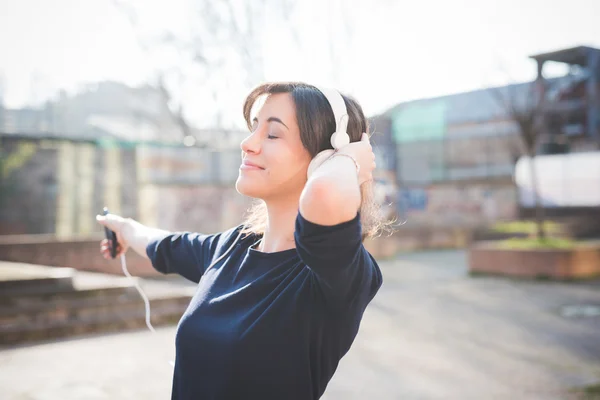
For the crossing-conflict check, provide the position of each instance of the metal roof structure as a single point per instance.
(575, 55)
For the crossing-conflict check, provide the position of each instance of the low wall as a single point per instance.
(583, 262)
(80, 254)
(84, 253)
(421, 238)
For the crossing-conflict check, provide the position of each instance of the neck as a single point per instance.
(279, 234)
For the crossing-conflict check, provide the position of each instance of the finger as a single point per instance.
(105, 248)
(106, 245)
(107, 254)
(119, 252)
(110, 221)
(364, 137)
(101, 220)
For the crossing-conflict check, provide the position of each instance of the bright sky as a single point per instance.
(400, 50)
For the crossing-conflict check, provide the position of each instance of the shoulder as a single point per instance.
(231, 235)
(236, 237)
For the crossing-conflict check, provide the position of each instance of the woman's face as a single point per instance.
(274, 161)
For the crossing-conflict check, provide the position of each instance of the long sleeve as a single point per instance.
(187, 254)
(345, 271)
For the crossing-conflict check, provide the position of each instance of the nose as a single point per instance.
(252, 143)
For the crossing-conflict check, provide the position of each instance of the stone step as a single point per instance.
(44, 298)
(82, 308)
(66, 296)
(43, 303)
(164, 312)
(19, 278)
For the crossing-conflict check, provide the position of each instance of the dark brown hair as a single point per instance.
(316, 122)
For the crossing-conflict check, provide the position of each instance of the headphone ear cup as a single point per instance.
(339, 140)
(318, 160)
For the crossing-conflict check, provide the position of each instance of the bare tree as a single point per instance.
(223, 47)
(526, 108)
(169, 80)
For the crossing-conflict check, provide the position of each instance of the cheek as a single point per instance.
(290, 164)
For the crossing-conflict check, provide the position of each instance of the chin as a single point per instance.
(247, 188)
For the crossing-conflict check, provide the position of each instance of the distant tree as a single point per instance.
(526, 108)
(221, 34)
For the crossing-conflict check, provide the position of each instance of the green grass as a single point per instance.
(535, 243)
(527, 227)
(591, 392)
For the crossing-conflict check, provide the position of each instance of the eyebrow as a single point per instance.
(273, 119)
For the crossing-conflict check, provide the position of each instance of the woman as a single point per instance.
(281, 296)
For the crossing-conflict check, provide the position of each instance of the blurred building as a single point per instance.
(445, 162)
(117, 146)
(572, 115)
(453, 157)
(110, 111)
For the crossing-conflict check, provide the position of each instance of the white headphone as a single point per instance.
(340, 137)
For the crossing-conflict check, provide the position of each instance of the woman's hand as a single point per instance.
(119, 225)
(363, 153)
(332, 193)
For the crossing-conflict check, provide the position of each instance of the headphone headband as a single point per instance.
(340, 137)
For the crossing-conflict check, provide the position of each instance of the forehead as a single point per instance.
(279, 105)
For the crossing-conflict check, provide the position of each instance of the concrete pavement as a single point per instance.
(431, 333)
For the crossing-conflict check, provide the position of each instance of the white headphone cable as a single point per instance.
(135, 282)
(140, 291)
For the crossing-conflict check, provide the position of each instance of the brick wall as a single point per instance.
(81, 254)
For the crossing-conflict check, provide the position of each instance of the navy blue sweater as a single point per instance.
(267, 325)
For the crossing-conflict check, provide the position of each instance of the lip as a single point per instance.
(249, 165)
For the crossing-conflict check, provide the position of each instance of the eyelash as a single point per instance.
(255, 125)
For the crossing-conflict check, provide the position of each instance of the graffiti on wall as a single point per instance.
(468, 205)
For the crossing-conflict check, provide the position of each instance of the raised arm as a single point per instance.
(332, 192)
(328, 230)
